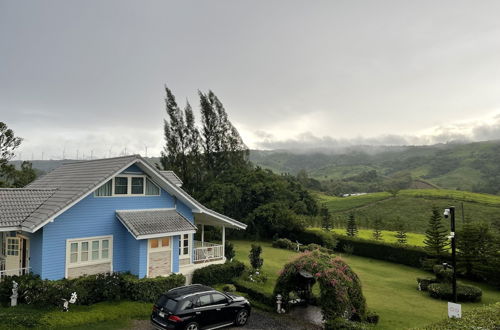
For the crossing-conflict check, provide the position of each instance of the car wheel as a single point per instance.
(192, 326)
(242, 317)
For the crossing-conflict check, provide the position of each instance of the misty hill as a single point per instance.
(468, 166)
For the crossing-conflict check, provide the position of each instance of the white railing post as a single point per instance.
(223, 240)
(202, 234)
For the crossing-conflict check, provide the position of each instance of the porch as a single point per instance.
(14, 254)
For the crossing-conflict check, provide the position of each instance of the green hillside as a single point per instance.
(412, 207)
(469, 167)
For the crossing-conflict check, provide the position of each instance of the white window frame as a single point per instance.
(89, 261)
(182, 246)
(129, 186)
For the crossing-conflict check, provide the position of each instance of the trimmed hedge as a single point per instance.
(401, 254)
(485, 317)
(465, 293)
(218, 274)
(423, 283)
(90, 289)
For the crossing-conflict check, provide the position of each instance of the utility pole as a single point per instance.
(451, 212)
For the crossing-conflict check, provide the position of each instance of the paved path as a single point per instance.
(259, 320)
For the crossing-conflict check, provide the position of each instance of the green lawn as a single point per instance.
(390, 289)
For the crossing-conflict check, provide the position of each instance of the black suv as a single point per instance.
(197, 306)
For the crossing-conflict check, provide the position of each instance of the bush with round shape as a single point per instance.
(341, 293)
(465, 293)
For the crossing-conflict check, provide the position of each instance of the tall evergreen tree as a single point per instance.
(436, 240)
(193, 179)
(473, 243)
(377, 229)
(173, 156)
(352, 229)
(326, 218)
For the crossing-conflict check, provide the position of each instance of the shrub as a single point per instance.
(229, 251)
(217, 274)
(90, 289)
(465, 293)
(485, 317)
(255, 260)
(372, 317)
(262, 297)
(423, 283)
(149, 289)
(320, 237)
(229, 288)
(342, 323)
(443, 275)
(284, 243)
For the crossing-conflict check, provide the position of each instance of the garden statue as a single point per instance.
(279, 309)
(13, 298)
(66, 303)
(298, 246)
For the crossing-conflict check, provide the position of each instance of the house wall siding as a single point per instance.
(95, 216)
(36, 249)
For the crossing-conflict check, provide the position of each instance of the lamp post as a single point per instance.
(451, 213)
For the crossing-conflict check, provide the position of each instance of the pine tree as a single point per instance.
(401, 236)
(436, 240)
(326, 218)
(377, 229)
(352, 229)
(473, 243)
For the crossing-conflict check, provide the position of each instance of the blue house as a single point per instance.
(106, 215)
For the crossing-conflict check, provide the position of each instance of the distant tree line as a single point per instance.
(212, 161)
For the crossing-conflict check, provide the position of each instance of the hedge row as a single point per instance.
(285, 243)
(90, 289)
(465, 293)
(218, 274)
(263, 298)
(401, 254)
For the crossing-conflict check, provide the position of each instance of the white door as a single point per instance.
(12, 253)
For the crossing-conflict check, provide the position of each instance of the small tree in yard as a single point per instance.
(377, 229)
(255, 260)
(401, 236)
(352, 229)
(436, 239)
(229, 250)
(326, 218)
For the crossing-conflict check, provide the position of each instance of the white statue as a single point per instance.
(298, 246)
(13, 298)
(71, 300)
(279, 309)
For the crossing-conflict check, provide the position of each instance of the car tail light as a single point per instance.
(174, 318)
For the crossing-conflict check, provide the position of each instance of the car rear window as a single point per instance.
(167, 303)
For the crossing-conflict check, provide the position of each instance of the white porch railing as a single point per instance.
(13, 272)
(206, 252)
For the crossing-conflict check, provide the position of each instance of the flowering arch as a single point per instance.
(341, 294)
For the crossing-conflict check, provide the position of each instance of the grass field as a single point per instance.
(412, 207)
(390, 289)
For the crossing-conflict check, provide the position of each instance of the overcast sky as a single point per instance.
(89, 75)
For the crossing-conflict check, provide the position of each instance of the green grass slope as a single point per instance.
(412, 207)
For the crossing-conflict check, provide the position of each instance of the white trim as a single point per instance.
(166, 234)
(70, 205)
(7, 229)
(139, 210)
(89, 262)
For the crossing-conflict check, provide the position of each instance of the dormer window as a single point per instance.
(121, 186)
(128, 185)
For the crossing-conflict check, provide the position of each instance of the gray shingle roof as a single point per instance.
(72, 181)
(18, 204)
(154, 222)
(172, 177)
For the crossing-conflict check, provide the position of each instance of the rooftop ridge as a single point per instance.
(73, 161)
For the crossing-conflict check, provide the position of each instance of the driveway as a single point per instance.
(259, 320)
